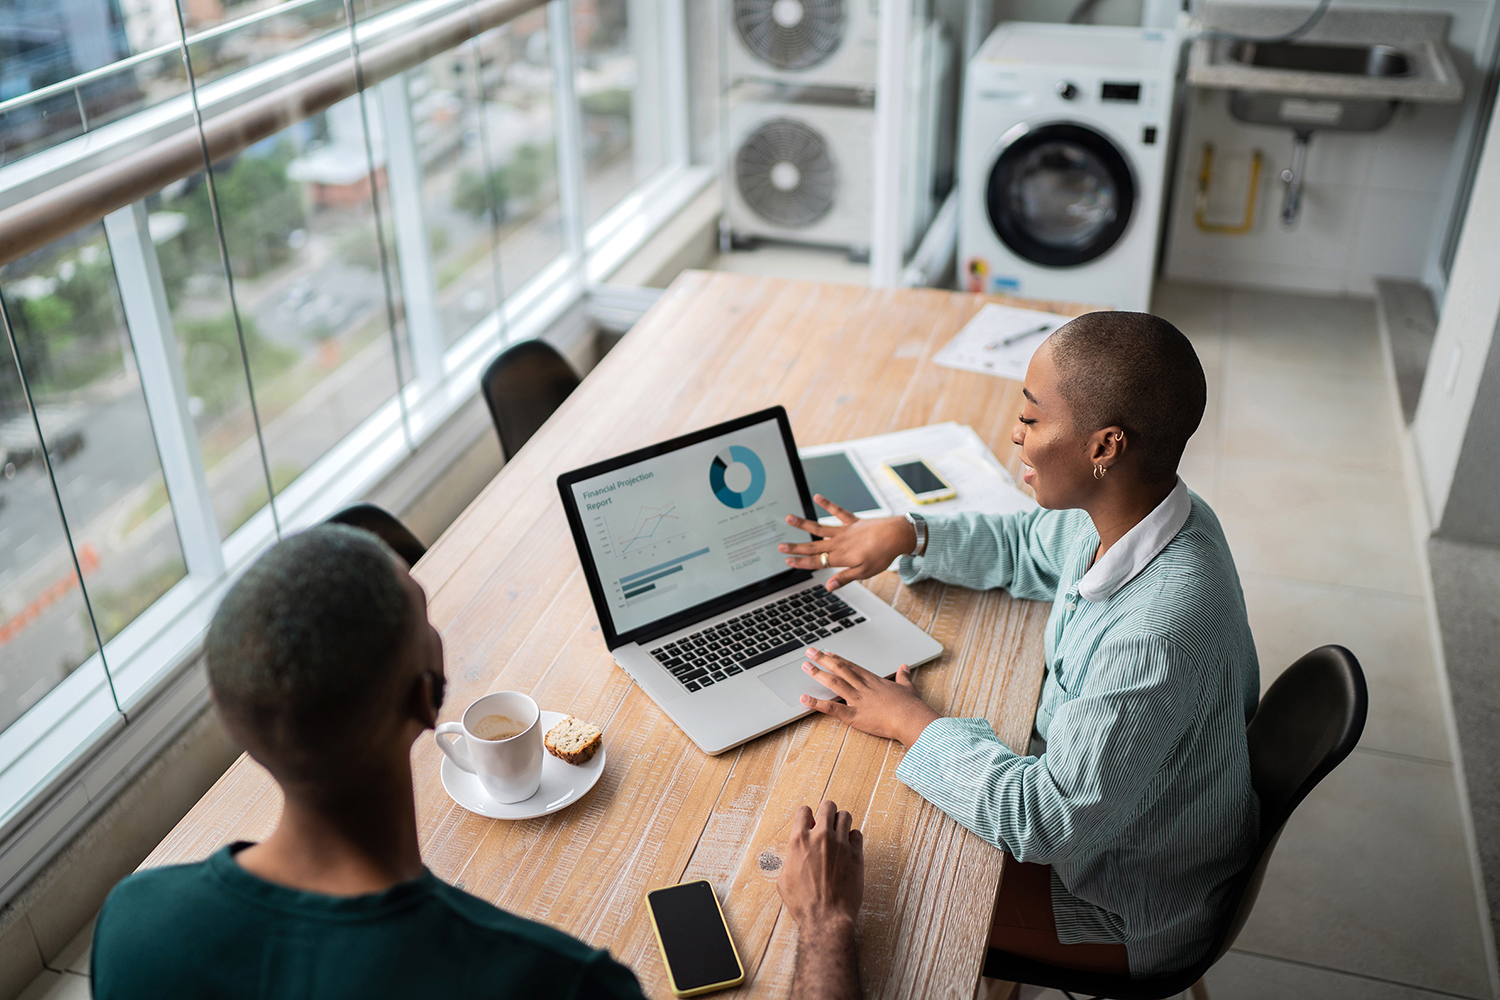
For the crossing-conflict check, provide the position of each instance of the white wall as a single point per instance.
(1374, 205)
(1457, 448)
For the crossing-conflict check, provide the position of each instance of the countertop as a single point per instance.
(1421, 35)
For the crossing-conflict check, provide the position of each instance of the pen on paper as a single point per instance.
(1044, 328)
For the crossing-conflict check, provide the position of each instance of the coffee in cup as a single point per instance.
(500, 743)
(498, 727)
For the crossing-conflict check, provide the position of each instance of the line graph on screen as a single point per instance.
(650, 525)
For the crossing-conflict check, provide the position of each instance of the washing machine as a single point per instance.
(1063, 162)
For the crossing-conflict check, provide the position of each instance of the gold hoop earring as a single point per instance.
(1099, 471)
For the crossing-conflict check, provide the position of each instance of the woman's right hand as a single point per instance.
(864, 548)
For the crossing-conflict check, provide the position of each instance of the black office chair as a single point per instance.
(1306, 724)
(383, 525)
(523, 386)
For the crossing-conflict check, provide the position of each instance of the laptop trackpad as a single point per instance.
(790, 684)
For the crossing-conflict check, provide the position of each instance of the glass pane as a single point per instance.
(489, 167)
(300, 228)
(521, 138)
(223, 39)
(187, 248)
(77, 357)
(45, 633)
(617, 46)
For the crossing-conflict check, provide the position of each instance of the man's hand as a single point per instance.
(822, 883)
(864, 547)
(823, 878)
(889, 709)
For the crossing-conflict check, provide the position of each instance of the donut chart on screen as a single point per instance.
(718, 481)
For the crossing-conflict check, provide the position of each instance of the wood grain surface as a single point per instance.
(506, 591)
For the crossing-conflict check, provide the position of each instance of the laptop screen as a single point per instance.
(696, 521)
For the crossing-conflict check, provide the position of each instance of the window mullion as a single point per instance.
(424, 327)
(149, 319)
(569, 131)
(886, 249)
(675, 83)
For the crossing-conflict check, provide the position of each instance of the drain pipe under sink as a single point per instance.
(1291, 201)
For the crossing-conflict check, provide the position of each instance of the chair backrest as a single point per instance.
(385, 526)
(523, 386)
(1307, 723)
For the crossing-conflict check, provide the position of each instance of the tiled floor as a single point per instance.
(1370, 893)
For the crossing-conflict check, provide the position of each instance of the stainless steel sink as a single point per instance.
(1346, 73)
(1384, 61)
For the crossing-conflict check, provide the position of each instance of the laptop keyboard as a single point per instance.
(768, 633)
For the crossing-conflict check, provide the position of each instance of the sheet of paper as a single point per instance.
(959, 455)
(981, 346)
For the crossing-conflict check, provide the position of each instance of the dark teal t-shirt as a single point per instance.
(214, 930)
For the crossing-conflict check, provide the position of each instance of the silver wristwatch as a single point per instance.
(919, 525)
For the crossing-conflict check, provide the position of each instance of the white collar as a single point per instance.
(1127, 557)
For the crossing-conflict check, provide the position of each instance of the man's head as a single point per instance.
(321, 658)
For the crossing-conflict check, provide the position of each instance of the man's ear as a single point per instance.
(425, 699)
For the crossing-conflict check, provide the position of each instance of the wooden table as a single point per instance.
(506, 591)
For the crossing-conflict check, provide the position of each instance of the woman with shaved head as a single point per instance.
(1135, 813)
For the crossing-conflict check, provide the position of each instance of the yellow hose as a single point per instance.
(1205, 178)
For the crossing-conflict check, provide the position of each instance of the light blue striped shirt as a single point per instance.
(1141, 802)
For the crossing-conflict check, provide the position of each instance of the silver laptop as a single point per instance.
(678, 542)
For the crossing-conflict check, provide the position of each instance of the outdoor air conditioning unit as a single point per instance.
(800, 171)
(833, 43)
(801, 167)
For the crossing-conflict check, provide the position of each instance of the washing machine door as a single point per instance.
(1059, 195)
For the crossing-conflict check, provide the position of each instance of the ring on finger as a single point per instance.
(824, 559)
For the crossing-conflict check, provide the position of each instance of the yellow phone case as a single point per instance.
(671, 979)
(948, 492)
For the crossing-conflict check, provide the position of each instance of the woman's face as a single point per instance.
(1055, 454)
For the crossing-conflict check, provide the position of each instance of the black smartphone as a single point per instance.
(694, 939)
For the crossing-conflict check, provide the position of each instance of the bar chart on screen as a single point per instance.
(646, 580)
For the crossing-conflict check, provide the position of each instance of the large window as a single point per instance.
(325, 232)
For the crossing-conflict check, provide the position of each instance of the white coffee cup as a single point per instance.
(510, 769)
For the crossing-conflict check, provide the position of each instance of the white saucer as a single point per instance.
(562, 784)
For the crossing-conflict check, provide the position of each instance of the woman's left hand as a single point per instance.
(889, 709)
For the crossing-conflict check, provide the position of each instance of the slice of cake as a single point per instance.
(574, 740)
